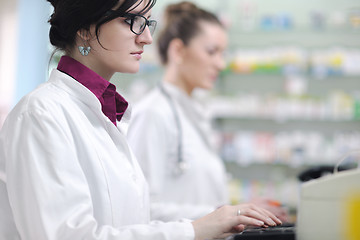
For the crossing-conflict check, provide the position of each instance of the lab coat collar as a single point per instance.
(79, 91)
(193, 109)
(113, 104)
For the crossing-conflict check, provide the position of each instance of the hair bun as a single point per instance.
(182, 6)
(179, 9)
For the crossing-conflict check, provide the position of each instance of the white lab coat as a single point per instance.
(66, 172)
(153, 136)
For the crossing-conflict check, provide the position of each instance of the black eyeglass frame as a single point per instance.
(112, 14)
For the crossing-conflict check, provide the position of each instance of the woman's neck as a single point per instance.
(89, 62)
(175, 78)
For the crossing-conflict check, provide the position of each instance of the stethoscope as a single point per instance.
(181, 164)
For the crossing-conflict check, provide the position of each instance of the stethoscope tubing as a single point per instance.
(181, 164)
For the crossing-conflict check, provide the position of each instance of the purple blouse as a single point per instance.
(113, 105)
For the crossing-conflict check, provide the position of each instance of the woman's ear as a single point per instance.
(84, 35)
(176, 51)
(83, 38)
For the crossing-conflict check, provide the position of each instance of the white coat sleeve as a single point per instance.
(48, 192)
(152, 136)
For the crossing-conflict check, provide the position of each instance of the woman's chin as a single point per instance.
(131, 70)
(209, 86)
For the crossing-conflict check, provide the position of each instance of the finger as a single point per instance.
(239, 228)
(250, 220)
(271, 218)
(257, 214)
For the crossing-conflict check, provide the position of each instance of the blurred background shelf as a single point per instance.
(232, 84)
(233, 123)
(308, 38)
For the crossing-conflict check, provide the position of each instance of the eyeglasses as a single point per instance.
(137, 22)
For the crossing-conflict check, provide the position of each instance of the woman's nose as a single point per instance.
(145, 37)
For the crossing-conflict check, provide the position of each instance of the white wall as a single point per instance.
(24, 49)
(33, 46)
(8, 54)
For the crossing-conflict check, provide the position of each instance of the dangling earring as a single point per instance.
(84, 50)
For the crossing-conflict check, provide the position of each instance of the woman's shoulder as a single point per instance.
(48, 98)
(40, 98)
(153, 103)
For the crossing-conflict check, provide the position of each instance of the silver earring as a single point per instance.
(84, 50)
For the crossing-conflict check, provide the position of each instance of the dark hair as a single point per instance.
(182, 21)
(69, 16)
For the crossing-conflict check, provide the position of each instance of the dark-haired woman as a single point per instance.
(66, 171)
(169, 131)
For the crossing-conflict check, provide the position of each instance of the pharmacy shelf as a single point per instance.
(319, 39)
(233, 84)
(261, 171)
(228, 123)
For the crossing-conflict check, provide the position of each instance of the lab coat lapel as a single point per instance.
(193, 110)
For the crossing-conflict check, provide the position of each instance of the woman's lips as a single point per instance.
(214, 77)
(137, 55)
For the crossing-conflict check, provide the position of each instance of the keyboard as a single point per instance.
(282, 232)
